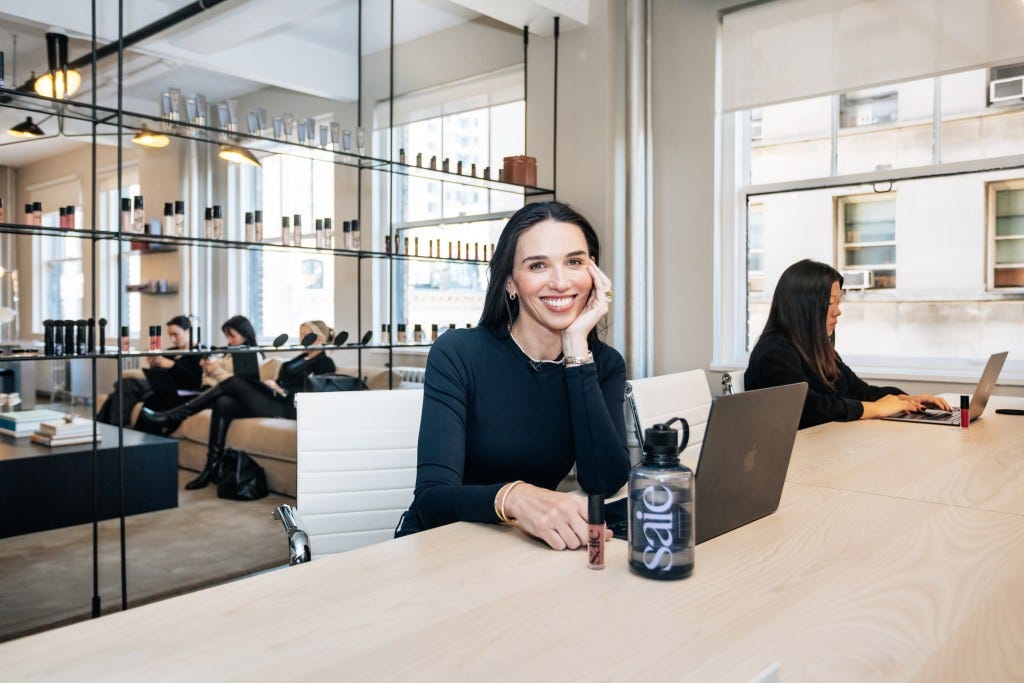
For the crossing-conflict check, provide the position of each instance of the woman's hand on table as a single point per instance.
(559, 519)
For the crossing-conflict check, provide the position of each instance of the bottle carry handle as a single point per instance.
(686, 431)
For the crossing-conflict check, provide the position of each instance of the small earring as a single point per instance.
(512, 296)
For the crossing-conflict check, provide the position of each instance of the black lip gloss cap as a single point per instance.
(595, 508)
(965, 402)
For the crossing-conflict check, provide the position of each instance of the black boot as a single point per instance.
(215, 449)
(168, 420)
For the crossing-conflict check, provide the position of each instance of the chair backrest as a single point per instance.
(356, 465)
(683, 394)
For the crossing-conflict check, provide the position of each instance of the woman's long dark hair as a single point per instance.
(499, 310)
(242, 326)
(799, 313)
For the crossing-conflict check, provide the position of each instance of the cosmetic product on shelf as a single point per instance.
(138, 215)
(360, 141)
(48, 338)
(328, 234)
(286, 231)
(102, 323)
(433, 332)
(37, 214)
(28, 214)
(449, 249)
(168, 218)
(433, 163)
(385, 333)
(125, 342)
(387, 244)
(405, 246)
(401, 334)
(218, 222)
(487, 173)
(346, 140)
(324, 136)
(72, 213)
(356, 240)
(472, 170)
(179, 218)
(346, 234)
(257, 230)
(430, 248)
(458, 249)
(90, 336)
(311, 130)
(297, 230)
(250, 120)
(62, 217)
(401, 155)
(69, 337)
(417, 333)
(278, 128)
(81, 344)
(300, 132)
(335, 135)
(250, 229)
(1, 209)
(476, 251)
(288, 121)
(458, 167)
(444, 165)
(415, 246)
(207, 222)
(318, 233)
(419, 159)
(501, 175)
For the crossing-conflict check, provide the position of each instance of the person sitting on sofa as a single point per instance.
(238, 397)
(238, 331)
(185, 372)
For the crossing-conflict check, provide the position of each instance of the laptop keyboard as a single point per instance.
(930, 416)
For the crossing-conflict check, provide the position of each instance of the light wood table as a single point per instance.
(837, 585)
(981, 467)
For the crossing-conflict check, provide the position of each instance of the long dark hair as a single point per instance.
(181, 321)
(242, 326)
(799, 312)
(499, 310)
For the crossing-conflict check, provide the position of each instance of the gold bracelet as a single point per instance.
(502, 515)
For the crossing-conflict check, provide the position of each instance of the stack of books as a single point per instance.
(25, 422)
(64, 432)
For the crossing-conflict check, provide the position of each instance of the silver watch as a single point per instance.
(578, 360)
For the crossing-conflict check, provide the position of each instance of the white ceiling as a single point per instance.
(237, 47)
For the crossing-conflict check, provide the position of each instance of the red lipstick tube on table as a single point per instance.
(595, 531)
(965, 411)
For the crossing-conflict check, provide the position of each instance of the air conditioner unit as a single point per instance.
(858, 279)
(1006, 89)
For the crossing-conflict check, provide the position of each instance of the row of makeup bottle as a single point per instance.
(410, 246)
(34, 215)
(445, 166)
(418, 335)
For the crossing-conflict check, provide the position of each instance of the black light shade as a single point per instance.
(26, 129)
(59, 81)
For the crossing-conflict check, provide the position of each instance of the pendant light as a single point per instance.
(59, 81)
(26, 129)
(238, 155)
(147, 138)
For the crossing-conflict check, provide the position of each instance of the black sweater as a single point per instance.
(491, 416)
(775, 361)
(186, 372)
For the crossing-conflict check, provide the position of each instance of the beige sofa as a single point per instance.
(270, 441)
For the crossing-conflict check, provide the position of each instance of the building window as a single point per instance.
(867, 241)
(1006, 241)
(755, 248)
(867, 107)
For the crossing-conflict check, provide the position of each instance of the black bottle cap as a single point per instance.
(417, 327)
(216, 211)
(346, 226)
(258, 215)
(327, 224)
(28, 208)
(179, 206)
(37, 206)
(248, 217)
(124, 330)
(965, 402)
(433, 327)
(168, 208)
(138, 202)
(126, 203)
(70, 208)
(383, 327)
(62, 211)
(401, 327)
(355, 224)
(297, 222)
(284, 222)
(595, 508)
(661, 440)
(208, 213)
(319, 223)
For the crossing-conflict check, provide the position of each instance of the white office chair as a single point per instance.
(657, 399)
(356, 466)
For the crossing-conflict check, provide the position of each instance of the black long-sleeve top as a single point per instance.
(292, 374)
(491, 415)
(775, 361)
(186, 372)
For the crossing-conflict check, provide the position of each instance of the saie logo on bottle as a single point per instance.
(655, 517)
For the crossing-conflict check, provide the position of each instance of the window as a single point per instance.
(1006, 245)
(63, 284)
(867, 239)
(477, 123)
(867, 107)
(279, 300)
(755, 248)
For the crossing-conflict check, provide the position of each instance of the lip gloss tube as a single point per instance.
(595, 531)
(965, 411)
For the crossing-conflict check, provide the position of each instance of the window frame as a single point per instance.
(841, 203)
(991, 189)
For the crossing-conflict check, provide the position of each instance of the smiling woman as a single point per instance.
(513, 404)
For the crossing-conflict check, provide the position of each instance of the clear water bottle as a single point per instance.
(661, 495)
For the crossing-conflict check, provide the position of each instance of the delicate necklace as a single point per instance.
(558, 362)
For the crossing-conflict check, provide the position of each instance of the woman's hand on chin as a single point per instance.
(558, 519)
(574, 337)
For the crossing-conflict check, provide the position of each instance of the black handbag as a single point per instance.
(333, 382)
(241, 478)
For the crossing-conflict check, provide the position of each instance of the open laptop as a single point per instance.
(743, 460)
(978, 401)
(246, 364)
(161, 382)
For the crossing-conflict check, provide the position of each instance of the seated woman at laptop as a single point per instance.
(511, 405)
(183, 372)
(238, 397)
(797, 346)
